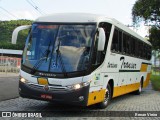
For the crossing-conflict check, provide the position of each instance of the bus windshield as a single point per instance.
(58, 48)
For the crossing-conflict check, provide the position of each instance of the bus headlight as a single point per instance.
(78, 86)
(23, 80)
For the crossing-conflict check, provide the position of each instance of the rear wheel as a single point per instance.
(138, 92)
(107, 98)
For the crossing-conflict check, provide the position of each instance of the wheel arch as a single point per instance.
(111, 83)
(142, 80)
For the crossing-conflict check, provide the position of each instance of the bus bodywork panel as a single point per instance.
(126, 72)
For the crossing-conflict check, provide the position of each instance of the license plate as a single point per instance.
(44, 96)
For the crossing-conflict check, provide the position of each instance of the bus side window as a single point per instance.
(114, 47)
(128, 45)
(136, 48)
(132, 46)
(120, 41)
(139, 48)
(124, 43)
(143, 49)
(148, 53)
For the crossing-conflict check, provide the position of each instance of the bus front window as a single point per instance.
(58, 48)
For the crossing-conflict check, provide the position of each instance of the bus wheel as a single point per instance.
(107, 98)
(138, 92)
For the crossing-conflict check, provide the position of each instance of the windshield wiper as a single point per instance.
(58, 55)
(40, 61)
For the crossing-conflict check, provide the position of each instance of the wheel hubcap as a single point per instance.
(106, 97)
(140, 88)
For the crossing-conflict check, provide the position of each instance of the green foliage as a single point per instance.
(154, 37)
(149, 11)
(155, 80)
(6, 29)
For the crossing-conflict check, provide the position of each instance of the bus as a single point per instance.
(82, 59)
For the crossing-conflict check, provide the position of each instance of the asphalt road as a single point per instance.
(149, 100)
(8, 87)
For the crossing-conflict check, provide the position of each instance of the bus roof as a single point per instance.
(86, 18)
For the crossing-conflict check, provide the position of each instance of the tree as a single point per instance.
(149, 11)
(6, 29)
(154, 37)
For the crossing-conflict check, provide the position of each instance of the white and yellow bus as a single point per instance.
(82, 59)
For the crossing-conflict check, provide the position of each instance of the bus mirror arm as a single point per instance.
(102, 39)
(16, 31)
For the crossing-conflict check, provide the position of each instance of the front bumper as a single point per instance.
(55, 96)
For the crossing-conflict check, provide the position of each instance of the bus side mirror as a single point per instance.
(16, 31)
(102, 39)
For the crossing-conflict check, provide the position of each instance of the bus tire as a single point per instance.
(138, 92)
(107, 98)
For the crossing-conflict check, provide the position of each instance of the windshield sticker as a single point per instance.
(54, 66)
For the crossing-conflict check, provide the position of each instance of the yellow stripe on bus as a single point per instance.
(121, 90)
(143, 68)
(146, 82)
(96, 96)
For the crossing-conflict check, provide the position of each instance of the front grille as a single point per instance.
(36, 86)
(51, 88)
